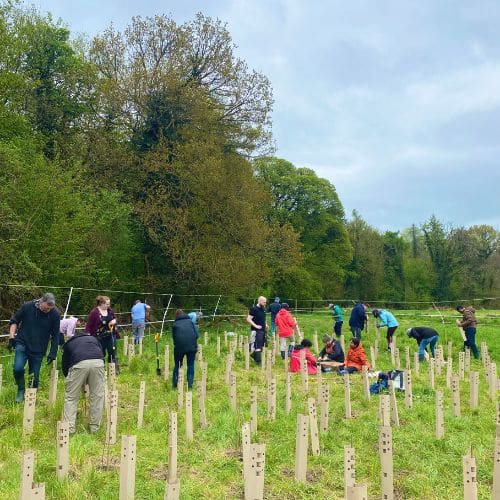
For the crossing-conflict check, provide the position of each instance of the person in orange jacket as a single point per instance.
(287, 325)
(356, 358)
(310, 359)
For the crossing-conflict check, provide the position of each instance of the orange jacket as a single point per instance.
(356, 357)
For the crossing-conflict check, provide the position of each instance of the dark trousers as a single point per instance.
(337, 328)
(108, 346)
(470, 341)
(356, 332)
(178, 359)
(34, 364)
(390, 333)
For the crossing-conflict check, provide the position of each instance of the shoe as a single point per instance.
(20, 396)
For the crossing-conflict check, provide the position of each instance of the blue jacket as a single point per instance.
(358, 316)
(386, 318)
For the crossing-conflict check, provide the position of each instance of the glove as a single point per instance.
(12, 344)
(377, 325)
(50, 359)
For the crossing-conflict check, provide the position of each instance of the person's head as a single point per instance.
(408, 332)
(199, 314)
(306, 343)
(355, 342)
(47, 302)
(460, 308)
(376, 313)
(277, 299)
(285, 306)
(179, 312)
(327, 339)
(137, 301)
(103, 301)
(261, 301)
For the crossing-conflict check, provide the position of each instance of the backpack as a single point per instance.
(398, 379)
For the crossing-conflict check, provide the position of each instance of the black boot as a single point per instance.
(257, 356)
(282, 354)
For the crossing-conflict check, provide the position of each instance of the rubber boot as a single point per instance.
(20, 396)
(257, 356)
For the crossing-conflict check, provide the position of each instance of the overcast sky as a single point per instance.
(396, 103)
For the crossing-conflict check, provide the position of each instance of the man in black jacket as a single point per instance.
(83, 363)
(425, 336)
(185, 337)
(332, 355)
(35, 323)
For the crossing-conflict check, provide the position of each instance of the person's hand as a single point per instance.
(112, 322)
(12, 344)
(258, 327)
(50, 359)
(458, 322)
(377, 325)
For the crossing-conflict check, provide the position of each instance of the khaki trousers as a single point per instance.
(91, 372)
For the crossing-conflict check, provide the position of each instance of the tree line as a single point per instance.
(143, 159)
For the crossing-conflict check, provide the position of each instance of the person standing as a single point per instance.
(287, 325)
(469, 323)
(101, 323)
(35, 322)
(424, 336)
(83, 363)
(139, 313)
(274, 309)
(386, 318)
(338, 319)
(358, 319)
(258, 328)
(185, 337)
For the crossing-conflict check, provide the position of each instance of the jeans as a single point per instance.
(34, 363)
(356, 332)
(424, 343)
(470, 341)
(108, 346)
(273, 326)
(337, 328)
(344, 370)
(178, 359)
(138, 330)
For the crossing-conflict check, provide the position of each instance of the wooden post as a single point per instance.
(125, 346)
(439, 415)
(245, 448)
(140, 347)
(172, 487)
(449, 372)
(407, 358)
(229, 367)
(416, 363)
(357, 492)
(496, 469)
(189, 416)
(450, 349)
(313, 426)
(180, 388)
(269, 364)
(166, 368)
(493, 381)
(467, 360)
(112, 418)
(394, 405)
(1, 376)
(201, 405)
(54, 375)
(254, 480)
(373, 358)
(315, 342)
(206, 338)
(432, 367)
(347, 393)
(131, 351)
(324, 408)
(204, 376)
(408, 390)
(62, 447)
(349, 468)
(303, 371)
(232, 390)
(199, 353)
(29, 411)
(112, 376)
(247, 358)
(288, 393)
(385, 410)
(461, 365)
(142, 396)
(253, 409)
(366, 383)
(218, 346)
(263, 359)
(127, 468)
(301, 446)
(455, 395)
(397, 359)
(474, 390)
(29, 490)
(393, 354)
(271, 399)
(342, 342)
(387, 472)
(470, 477)
(225, 338)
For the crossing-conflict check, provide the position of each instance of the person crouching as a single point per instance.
(356, 358)
(305, 345)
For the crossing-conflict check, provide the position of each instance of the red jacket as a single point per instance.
(356, 357)
(285, 323)
(295, 361)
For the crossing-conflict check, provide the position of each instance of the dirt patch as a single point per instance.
(312, 475)
(159, 473)
(234, 453)
(109, 463)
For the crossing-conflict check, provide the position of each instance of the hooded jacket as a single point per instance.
(285, 323)
(295, 360)
(469, 318)
(358, 316)
(356, 358)
(184, 334)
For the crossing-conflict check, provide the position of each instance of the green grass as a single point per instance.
(210, 466)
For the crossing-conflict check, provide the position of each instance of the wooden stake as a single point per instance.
(29, 411)
(201, 405)
(357, 492)
(324, 408)
(218, 346)
(180, 388)
(245, 448)
(254, 481)
(432, 367)
(253, 409)
(408, 390)
(455, 395)
(1, 377)
(199, 353)
(450, 349)
(393, 354)
(271, 399)
(232, 390)
(496, 469)
(140, 347)
(313, 426)
(204, 376)
(439, 415)
(112, 376)
(54, 375)
(112, 418)
(366, 383)
(387, 472)
(172, 487)
(166, 367)
(397, 359)
(493, 382)
(131, 352)
(62, 450)
(288, 393)
(301, 446)
(416, 363)
(470, 477)
(474, 390)
(127, 468)
(407, 358)
(303, 371)
(229, 367)
(189, 416)
(347, 394)
(315, 342)
(206, 338)
(349, 468)
(449, 372)
(142, 397)
(125, 346)
(461, 365)
(385, 410)
(247, 359)
(29, 490)
(373, 358)
(394, 405)
(467, 360)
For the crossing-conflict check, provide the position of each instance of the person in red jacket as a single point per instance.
(310, 359)
(356, 358)
(287, 325)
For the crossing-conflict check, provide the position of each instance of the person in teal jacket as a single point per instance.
(386, 318)
(338, 319)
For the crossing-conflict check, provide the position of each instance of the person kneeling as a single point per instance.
(332, 355)
(356, 358)
(310, 359)
(83, 363)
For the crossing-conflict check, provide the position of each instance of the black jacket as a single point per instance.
(79, 348)
(337, 353)
(358, 316)
(185, 334)
(420, 333)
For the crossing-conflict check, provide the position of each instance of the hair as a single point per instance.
(355, 341)
(459, 307)
(284, 305)
(101, 299)
(306, 343)
(48, 298)
(375, 312)
(327, 338)
(179, 312)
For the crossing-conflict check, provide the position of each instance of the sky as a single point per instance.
(397, 103)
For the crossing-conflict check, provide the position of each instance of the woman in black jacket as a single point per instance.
(185, 337)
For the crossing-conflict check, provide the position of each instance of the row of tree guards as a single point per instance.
(308, 430)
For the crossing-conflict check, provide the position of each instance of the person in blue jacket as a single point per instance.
(386, 318)
(358, 319)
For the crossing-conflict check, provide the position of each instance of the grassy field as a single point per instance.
(210, 466)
